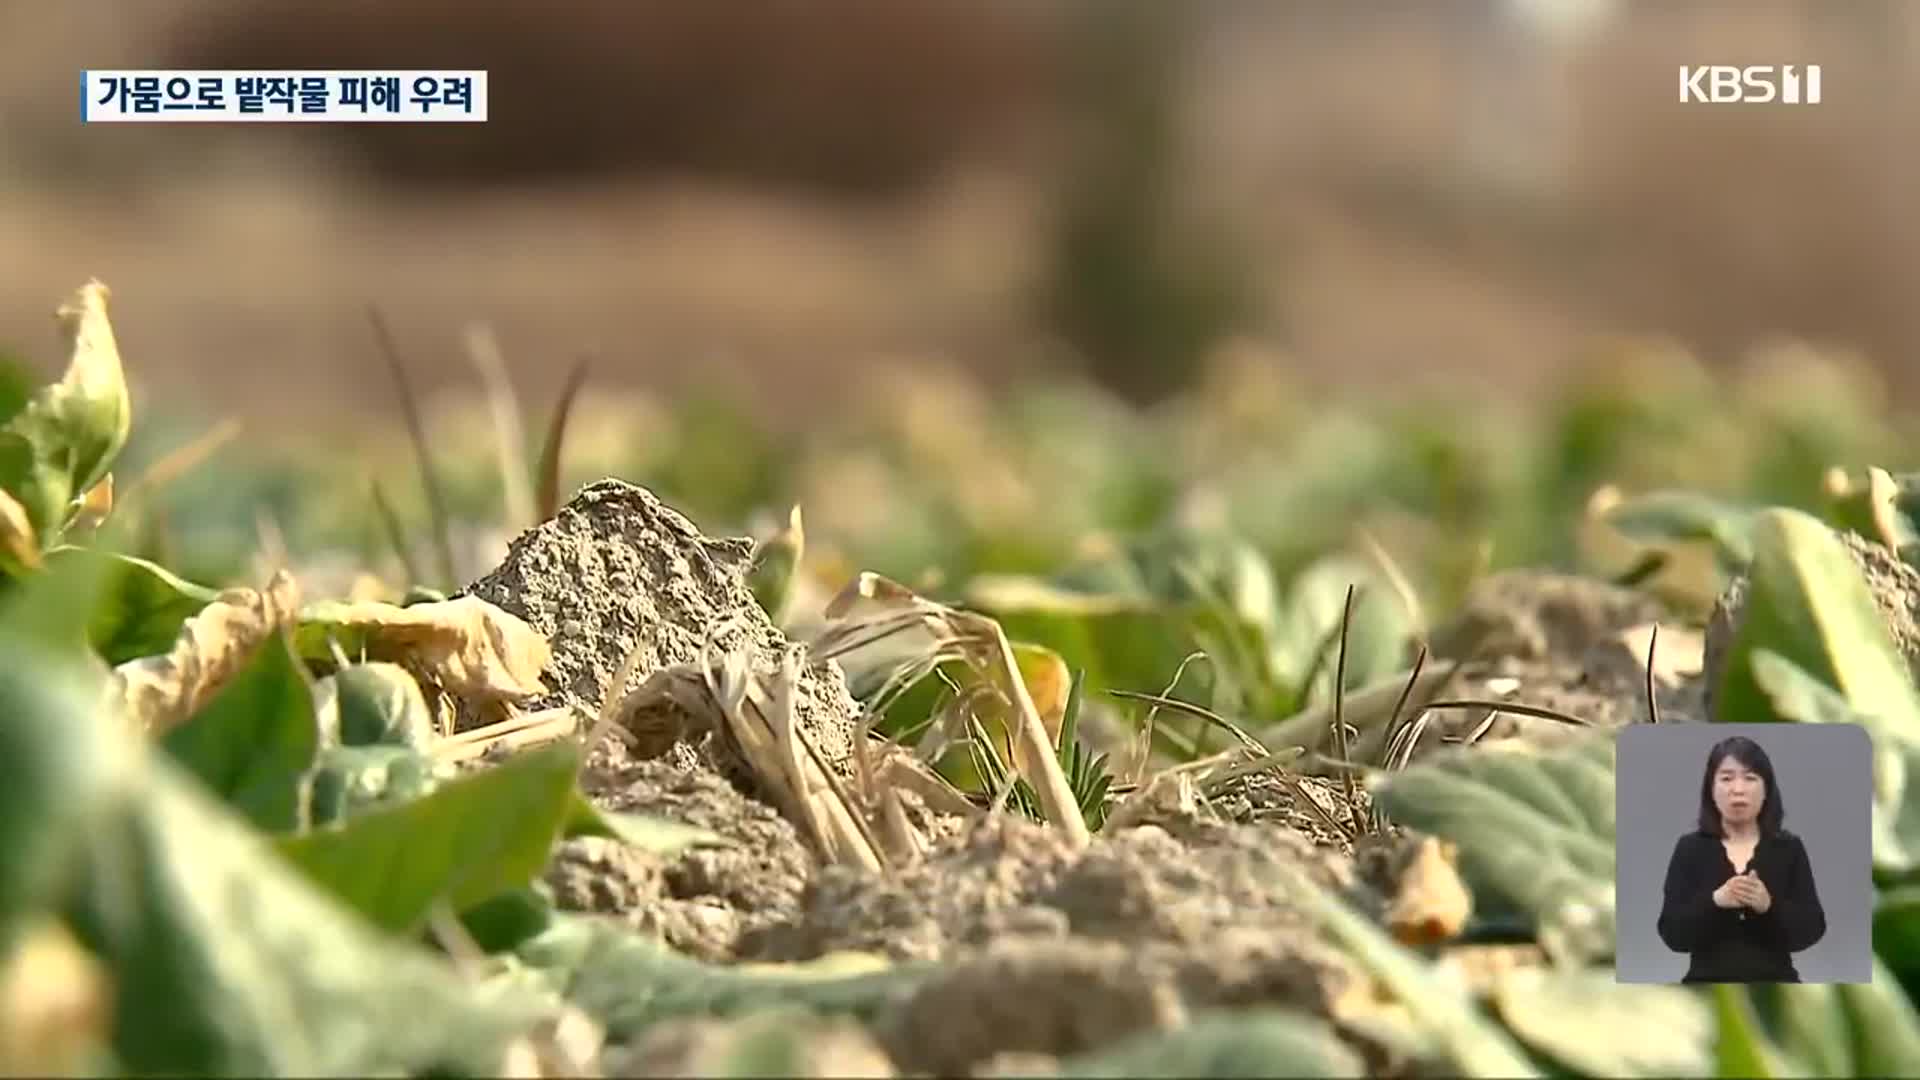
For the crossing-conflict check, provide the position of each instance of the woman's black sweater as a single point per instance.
(1737, 945)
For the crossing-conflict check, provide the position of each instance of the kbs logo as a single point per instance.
(1786, 84)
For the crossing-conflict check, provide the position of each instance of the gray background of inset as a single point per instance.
(1825, 774)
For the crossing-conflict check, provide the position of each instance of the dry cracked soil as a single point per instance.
(1046, 951)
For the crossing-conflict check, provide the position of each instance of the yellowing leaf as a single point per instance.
(158, 693)
(1049, 683)
(96, 505)
(472, 648)
(17, 541)
(1431, 904)
(91, 400)
(774, 565)
(54, 1005)
(1013, 594)
(1577, 1017)
(66, 438)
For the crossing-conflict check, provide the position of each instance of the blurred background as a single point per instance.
(794, 217)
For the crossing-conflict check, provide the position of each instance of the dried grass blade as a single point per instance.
(1145, 751)
(1213, 782)
(902, 770)
(510, 436)
(1536, 711)
(396, 536)
(1416, 729)
(1032, 743)
(182, 459)
(417, 432)
(1653, 702)
(853, 839)
(518, 733)
(1339, 718)
(548, 496)
(903, 842)
(1191, 709)
(1393, 718)
(613, 699)
(1398, 581)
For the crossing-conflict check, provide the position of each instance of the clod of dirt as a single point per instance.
(1565, 688)
(616, 567)
(703, 900)
(1025, 996)
(703, 1047)
(1564, 643)
(1006, 875)
(1619, 663)
(1408, 881)
(1537, 616)
(1896, 592)
(1035, 997)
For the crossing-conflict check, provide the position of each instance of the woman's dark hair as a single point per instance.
(1747, 752)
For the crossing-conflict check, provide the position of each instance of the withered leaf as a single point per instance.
(18, 544)
(158, 693)
(1431, 904)
(472, 648)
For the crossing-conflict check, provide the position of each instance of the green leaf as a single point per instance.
(1576, 1017)
(61, 765)
(40, 486)
(144, 607)
(658, 836)
(509, 920)
(468, 840)
(349, 780)
(225, 963)
(252, 744)
(378, 703)
(1843, 1029)
(17, 383)
(20, 544)
(218, 961)
(631, 981)
(90, 401)
(1884, 1026)
(1259, 1042)
(775, 563)
(1119, 641)
(1744, 1050)
(50, 609)
(1665, 518)
(1193, 567)
(1534, 830)
(1896, 933)
(1807, 601)
(1472, 1045)
(1809, 1024)
(1129, 618)
(1306, 640)
(1796, 696)
(76, 427)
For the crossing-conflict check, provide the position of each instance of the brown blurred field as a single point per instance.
(791, 194)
